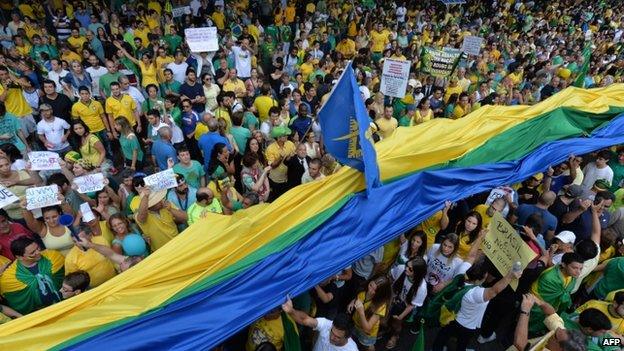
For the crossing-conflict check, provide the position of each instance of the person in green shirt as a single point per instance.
(617, 165)
(38, 48)
(612, 277)
(130, 147)
(105, 80)
(250, 121)
(153, 100)
(172, 110)
(206, 203)
(173, 41)
(240, 133)
(193, 172)
(170, 86)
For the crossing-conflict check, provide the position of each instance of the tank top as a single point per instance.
(61, 243)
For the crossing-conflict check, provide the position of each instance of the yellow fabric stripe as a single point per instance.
(219, 242)
(9, 282)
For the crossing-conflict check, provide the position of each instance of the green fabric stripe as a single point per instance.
(278, 244)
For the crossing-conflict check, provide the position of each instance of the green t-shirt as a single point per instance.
(130, 143)
(106, 80)
(250, 121)
(174, 87)
(612, 279)
(192, 174)
(618, 173)
(176, 115)
(240, 134)
(173, 41)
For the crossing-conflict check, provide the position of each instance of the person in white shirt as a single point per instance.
(53, 131)
(401, 11)
(333, 335)
(242, 58)
(178, 67)
(472, 308)
(598, 169)
(313, 172)
(56, 74)
(95, 71)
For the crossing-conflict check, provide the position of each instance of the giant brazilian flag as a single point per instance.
(225, 272)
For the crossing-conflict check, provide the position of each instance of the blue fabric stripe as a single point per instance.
(206, 319)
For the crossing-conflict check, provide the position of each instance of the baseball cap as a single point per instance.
(574, 190)
(566, 237)
(602, 184)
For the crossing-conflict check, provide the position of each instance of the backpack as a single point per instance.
(442, 308)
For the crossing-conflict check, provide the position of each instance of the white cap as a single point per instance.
(566, 237)
(414, 83)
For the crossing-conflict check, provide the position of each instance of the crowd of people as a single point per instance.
(113, 88)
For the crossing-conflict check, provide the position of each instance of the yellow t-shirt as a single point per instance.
(386, 126)
(289, 13)
(159, 227)
(464, 247)
(152, 23)
(23, 50)
(266, 330)
(381, 312)
(379, 40)
(346, 48)
(617, 322)
(77, 42)
(219, 20)
(431, 227)
(70, 56)
(306, 69)
(15, 102)
(263, 104)
(89, 152)
(154, 5)
(90, 114)
(123, 107)
(100, 268)
(273, 152)
(148, 73)
(142, 34)
(237, 86)
(459, 112)
(452, 90)
(420, 118)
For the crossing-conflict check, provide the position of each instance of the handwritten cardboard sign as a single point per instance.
(180, 11)
(6, 197)
(89, 183)
(44, 160)
(161, 180)
(202, 39)
(504, 246)
(472, 45)
(42, 196)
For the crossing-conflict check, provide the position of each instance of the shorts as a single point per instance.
(363, 338)
(28, 124)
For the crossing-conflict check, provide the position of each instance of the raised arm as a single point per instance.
(299, 316)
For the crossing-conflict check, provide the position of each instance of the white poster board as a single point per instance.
(42, 196)
(6, 197)
(89, 183)
(202, 39)
(161, 180)
(180, 11)
(394, 77)
(472, 45)
(44, 160)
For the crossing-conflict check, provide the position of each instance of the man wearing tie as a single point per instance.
(297, 166)
(428, 88)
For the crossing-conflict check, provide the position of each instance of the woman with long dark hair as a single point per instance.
(221, 163)
(410, 291)
(369, 308)
(468, 231)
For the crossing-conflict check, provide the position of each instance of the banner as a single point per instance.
(44, 160)
(472, 45)
(439, 63)
(42, 196)
(180, 11)
(6, 197)
(161, 180)
(504, 246)
(89, 183)
(394, 77)
(202, 39)
(345, 124)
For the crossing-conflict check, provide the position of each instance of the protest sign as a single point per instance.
(472, 45)
(394, 77)
(202, 39)
(42, 196)
(44, 160)
(89, 183)
(439, 63)
(87, 213)
(504, 246)
(161, 180)
(6, 197)
(180, 11)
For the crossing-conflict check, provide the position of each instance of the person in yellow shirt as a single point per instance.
(346, 47)
(11, 93)
(68, 55)
(90, 112)
(613, 310)
(369, 308)
(99, 268)
(147, 65)
(76, 41)
(379, 39)
(487, 212)
(276, 153)
(218, 17)
(269, 328)
(387, 124)
(453, 88)
(462, 108)
(234, 84)
(121, 105)
(141, 32)
(290, 12)
(157, 217)
(307, 67)
(264, 102)
(22, 46)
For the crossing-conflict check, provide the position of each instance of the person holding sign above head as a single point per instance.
(53, 132)
(157, 218)
(53, 235)
(16, 182)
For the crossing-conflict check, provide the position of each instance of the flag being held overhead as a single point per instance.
(345, 127)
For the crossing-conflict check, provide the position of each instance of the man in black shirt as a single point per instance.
(310, 97)
(61, 104)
